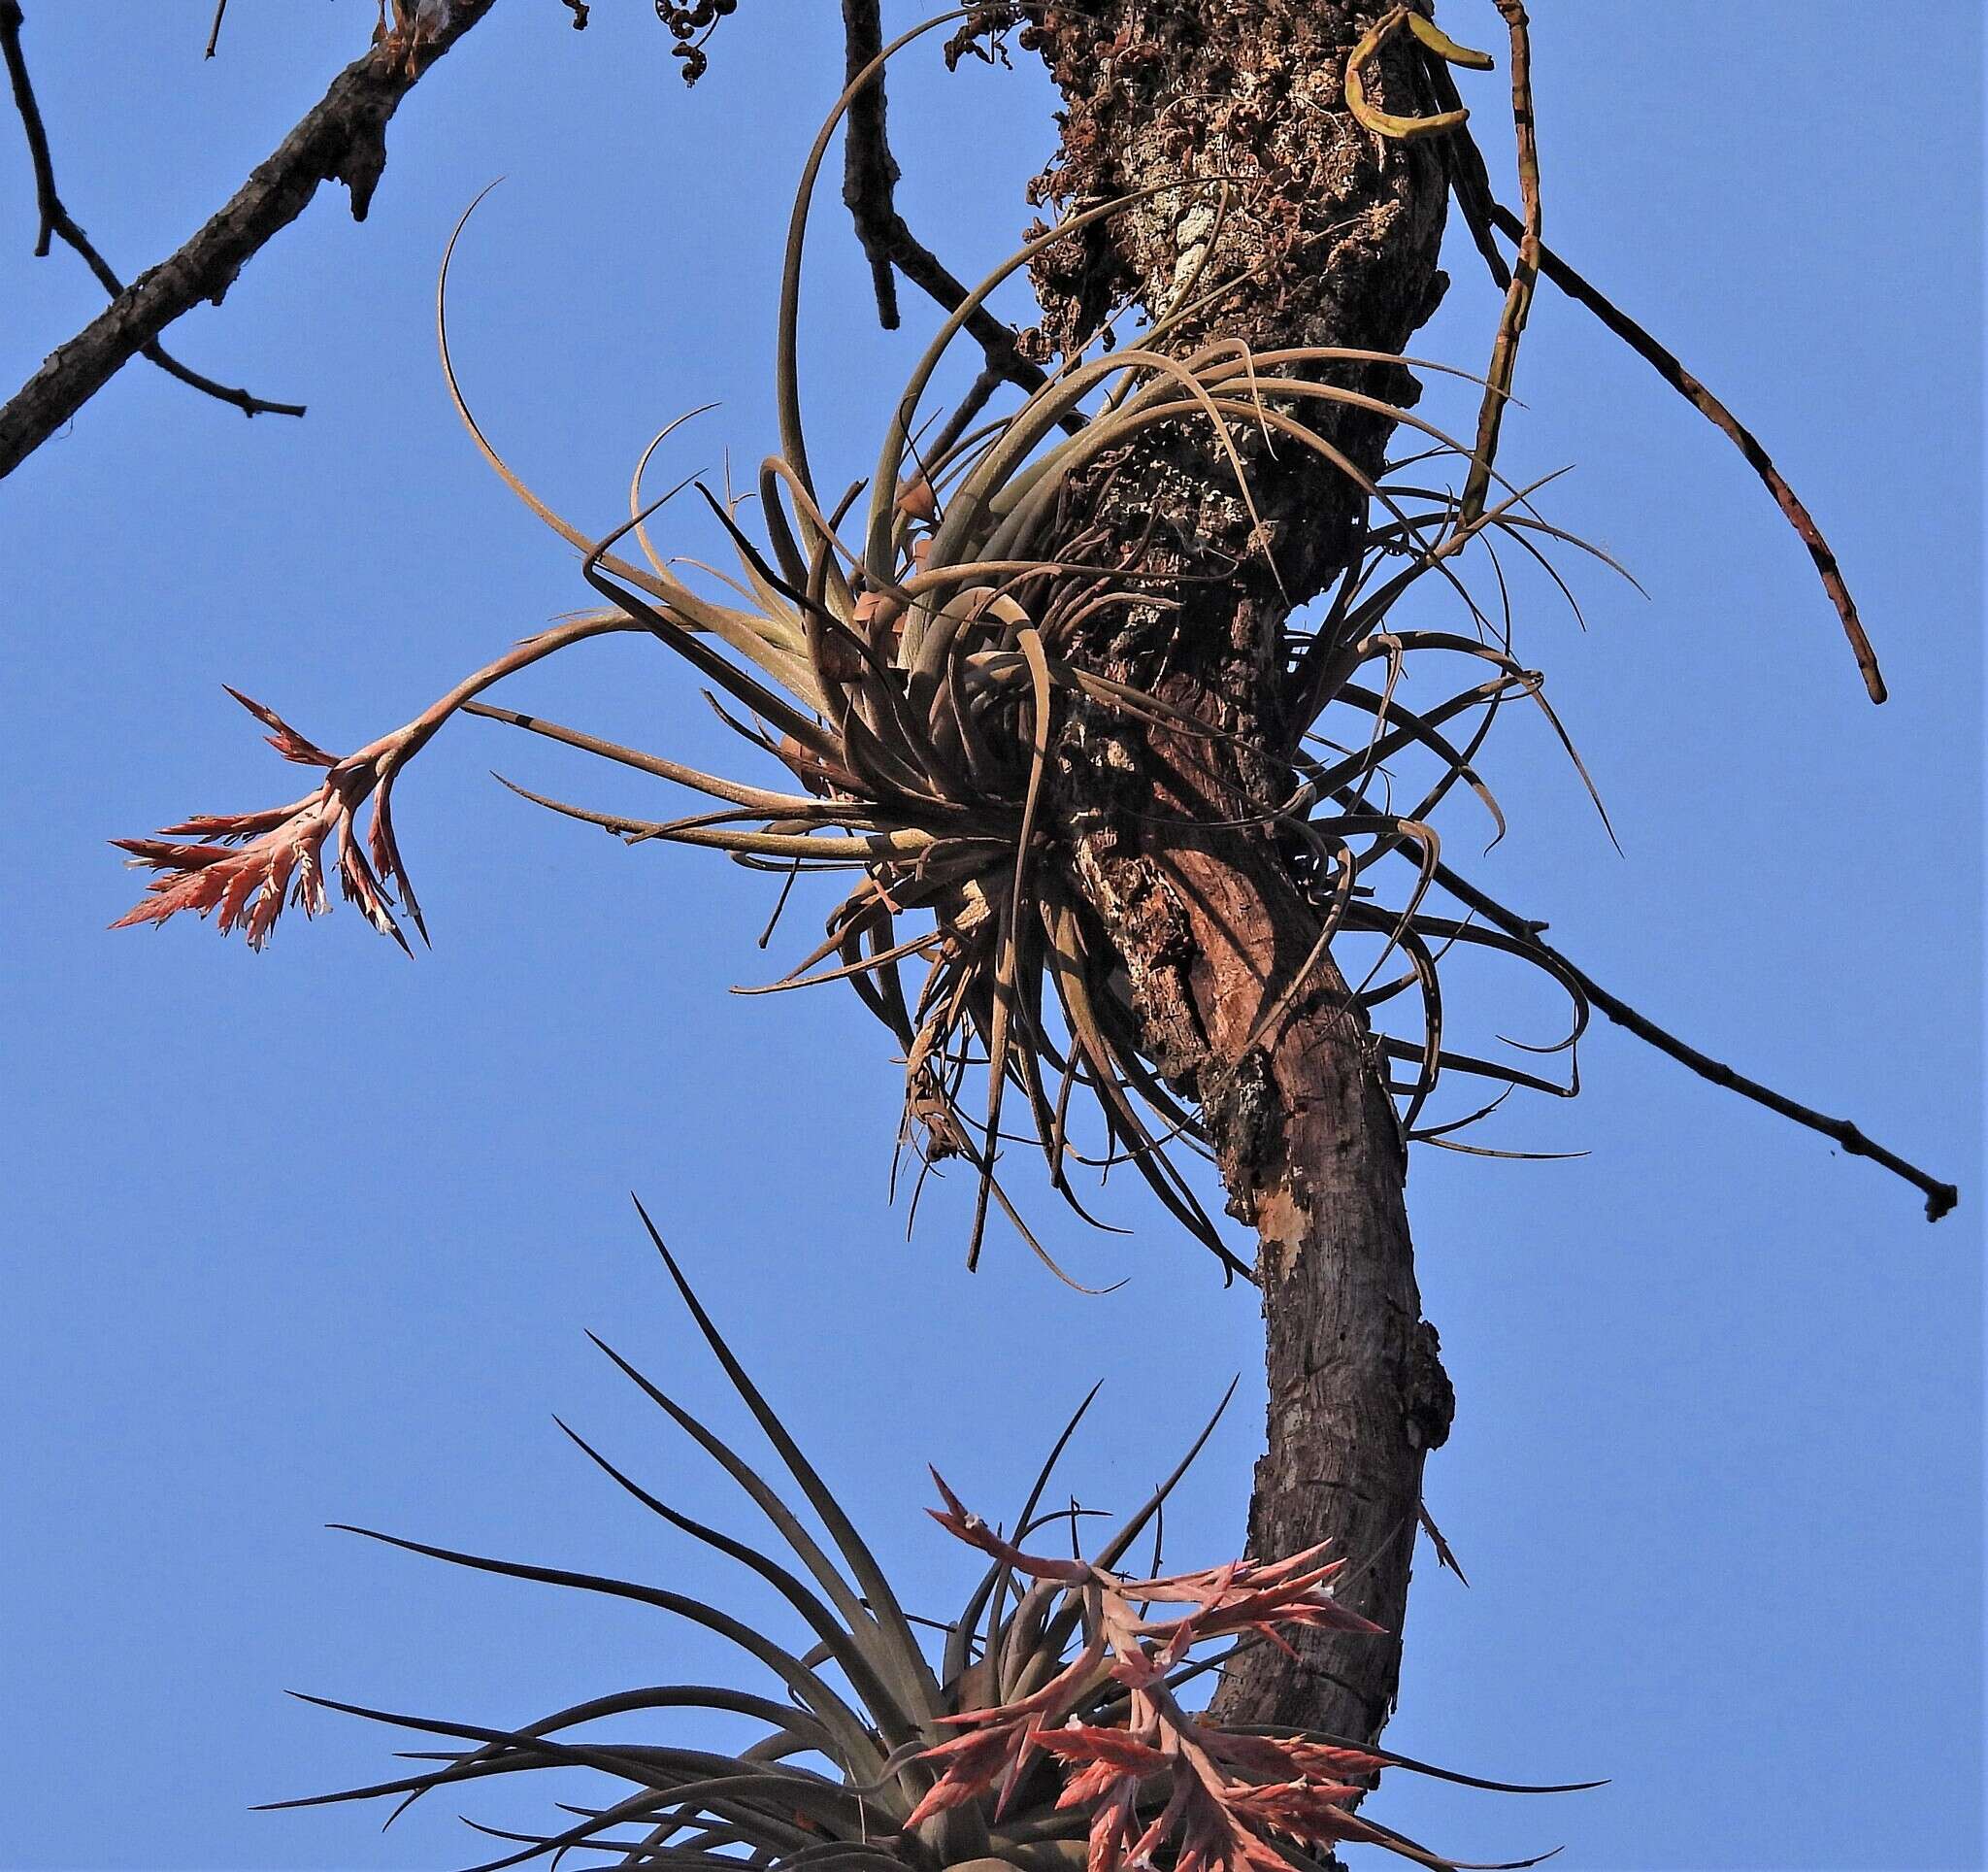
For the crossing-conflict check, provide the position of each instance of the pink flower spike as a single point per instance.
(959, 1520)
(1107, 1758)
(283, 738)
(1111, 1824)
(1311, 1813)
(972, 1763)
(244, 867)
(1272, 1759)
(1212, 1581)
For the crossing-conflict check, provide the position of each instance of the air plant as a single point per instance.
(1047, 1726)
(906, 656)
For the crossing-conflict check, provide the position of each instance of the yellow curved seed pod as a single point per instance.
(1405, 129)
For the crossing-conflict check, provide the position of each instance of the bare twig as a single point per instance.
(213, 32)
(1940, 1197)
(1468, 175)
(979, 394)
(342, 138)
(56, 221)
(870, 175)
(1668, 366)
(1519, 291)
(1487, 217)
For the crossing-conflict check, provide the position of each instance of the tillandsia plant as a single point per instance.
(909, 655)
(911, 661)
(1049, 1724)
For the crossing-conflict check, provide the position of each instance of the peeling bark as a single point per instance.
(1332, 236)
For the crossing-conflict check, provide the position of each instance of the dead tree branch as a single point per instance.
(57, 223)
(342, 138)
(1672, 370)
(870, 176)
(1487, 217)
(869, 173)
(1940, 1197)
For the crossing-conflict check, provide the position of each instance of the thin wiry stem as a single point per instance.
(1525, 272)
(1940, 1197)
(1673, 373)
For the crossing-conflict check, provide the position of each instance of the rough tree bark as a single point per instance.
(1336, 233)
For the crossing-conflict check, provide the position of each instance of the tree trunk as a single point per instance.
(1333, 237)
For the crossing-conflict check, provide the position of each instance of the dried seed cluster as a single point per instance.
(691, 26)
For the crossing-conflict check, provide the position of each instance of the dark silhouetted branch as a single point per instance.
(1487, 217)
(1940, 1197)
(342, 138)
(57, 223)
(870, 175)
(1667, 365)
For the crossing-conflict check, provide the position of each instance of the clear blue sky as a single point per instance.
(313, 1235)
